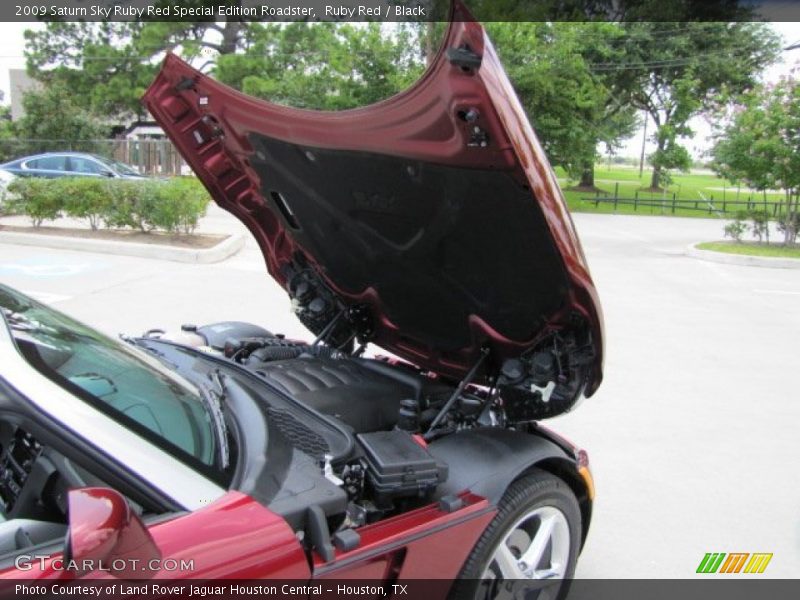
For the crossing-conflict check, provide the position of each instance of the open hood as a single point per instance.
(430, 224)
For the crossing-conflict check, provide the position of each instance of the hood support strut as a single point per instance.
(458, 391)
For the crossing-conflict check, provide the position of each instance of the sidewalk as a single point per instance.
(216, 222)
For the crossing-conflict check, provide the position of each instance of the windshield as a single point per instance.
(119, 167)
(129, 386)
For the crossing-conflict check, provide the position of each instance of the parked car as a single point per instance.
(429, 225)
(69, 164)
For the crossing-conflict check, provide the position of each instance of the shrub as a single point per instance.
(178, 204)
(789, 226)
(132, 205)
(88, 198)
(35, 198)
(736, 228)
(172, 205)
(760, 224)
(119, 213)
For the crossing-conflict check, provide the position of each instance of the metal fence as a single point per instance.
(150, 157)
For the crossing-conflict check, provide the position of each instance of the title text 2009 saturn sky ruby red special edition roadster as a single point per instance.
(429, 225)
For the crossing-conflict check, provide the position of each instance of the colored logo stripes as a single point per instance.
(734, 562)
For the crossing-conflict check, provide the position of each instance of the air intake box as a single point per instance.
(398, 467)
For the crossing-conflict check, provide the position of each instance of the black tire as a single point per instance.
(534, 490)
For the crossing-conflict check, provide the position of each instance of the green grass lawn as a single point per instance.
(711, 193)
(752, 249)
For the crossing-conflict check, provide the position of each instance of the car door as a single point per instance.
(85, 166)
(51, 496)
(54, 483)
(234, 537)
(50, 166)
(81, 459)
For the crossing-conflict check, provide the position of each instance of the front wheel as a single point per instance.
(531, 546)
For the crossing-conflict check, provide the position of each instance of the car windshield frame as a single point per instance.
(106, 374)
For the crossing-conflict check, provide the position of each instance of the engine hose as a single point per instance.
(270, 353)
(325, 352)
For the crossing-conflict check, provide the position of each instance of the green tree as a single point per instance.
(572, 108)
(324, 65)
(609, 10)
(610, 117)
(674, 60)
(52, 113)
(760, 146)
(100, 63)
(680, 69)
(6, 130)
(329, 66)
(110, 64)
(7, 145)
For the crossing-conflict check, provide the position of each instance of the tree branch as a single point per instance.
(211, 45)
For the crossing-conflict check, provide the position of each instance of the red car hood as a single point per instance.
(431, 221)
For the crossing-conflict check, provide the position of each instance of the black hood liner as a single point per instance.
(437, 244)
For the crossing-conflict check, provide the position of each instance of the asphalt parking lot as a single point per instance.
(693, 435)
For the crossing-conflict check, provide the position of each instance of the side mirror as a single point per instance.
(105, 533)
(107, 173)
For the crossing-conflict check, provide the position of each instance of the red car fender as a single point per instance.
(234, 537)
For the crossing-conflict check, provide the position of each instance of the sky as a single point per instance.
(12, 44)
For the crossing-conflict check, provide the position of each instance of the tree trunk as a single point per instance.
(230, 37)
(587, 176)
(655, 179)
(790, 232)
(787, 220)
(658, 169)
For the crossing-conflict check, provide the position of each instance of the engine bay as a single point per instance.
(326, 435)
(353, 440)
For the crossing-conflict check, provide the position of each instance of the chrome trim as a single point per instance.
(188, 488)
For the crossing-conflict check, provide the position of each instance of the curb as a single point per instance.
(225, 249)
(742, 259)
